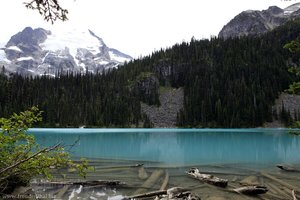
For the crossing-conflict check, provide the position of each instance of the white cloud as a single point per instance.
(136, 27)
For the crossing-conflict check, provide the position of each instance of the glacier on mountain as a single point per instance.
(43, 52)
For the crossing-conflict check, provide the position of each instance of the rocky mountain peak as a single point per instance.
(29, 36)
(39, 52)
(274, 10)
(258, 22)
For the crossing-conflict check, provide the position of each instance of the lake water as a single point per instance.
(179, 146)
(238, 155)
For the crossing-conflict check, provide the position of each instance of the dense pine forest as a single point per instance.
(227, 83)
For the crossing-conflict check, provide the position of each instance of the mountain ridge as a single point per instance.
(254, 22)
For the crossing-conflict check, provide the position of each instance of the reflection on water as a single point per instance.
(179, 146)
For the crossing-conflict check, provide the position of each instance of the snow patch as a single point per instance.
(118, 58)
(287, 12)
(103, 62)
(82, 65)
(3, 56)
(25, 58)
(46, 74)
(14, 48)
(30, 70)
(292, 8)
(73, 40)
(43, 60)
(249, 11)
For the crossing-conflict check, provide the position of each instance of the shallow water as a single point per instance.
(134, 178)
(239, 155)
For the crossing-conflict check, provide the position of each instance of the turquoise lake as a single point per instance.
(237, 155)
(179, 146)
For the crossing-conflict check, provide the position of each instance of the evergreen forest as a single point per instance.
(227, 83)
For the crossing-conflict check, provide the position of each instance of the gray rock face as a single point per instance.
(27, 41)
(41, 52)
(169, 74)
(258, 22)
(29, 36)
(147, 88)
(290, 103)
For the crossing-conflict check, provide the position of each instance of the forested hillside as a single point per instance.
(227, 83)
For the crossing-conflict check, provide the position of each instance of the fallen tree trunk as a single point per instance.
(251, 190)
(276, 190)
(281, 182)
(178, 193)
(148, 194)
(287, 168)
(194, 172)
(150, 181)
(83, 183)
(175, 193)
(165, 182)
(294, 195)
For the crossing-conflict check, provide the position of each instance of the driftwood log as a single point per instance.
(175, 193)
(84, 183)
(165, 182)
(147, 195)
(281, 182)
(294, 195)
(277, 190)
(207, 178)
(251, 190)
(156, 174)
(288, 168)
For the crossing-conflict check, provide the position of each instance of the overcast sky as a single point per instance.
(136, 27)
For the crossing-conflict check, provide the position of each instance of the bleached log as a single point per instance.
(294, 195)
(148, 194)
(150, 181)
(178, 193)
(251, 190)
(175, 193)
(194, 172)
(165, 182)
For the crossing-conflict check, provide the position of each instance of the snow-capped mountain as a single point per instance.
(254, 22)
(42, 52)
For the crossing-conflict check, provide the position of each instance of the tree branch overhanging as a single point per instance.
(49, 9)
(45, 150)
